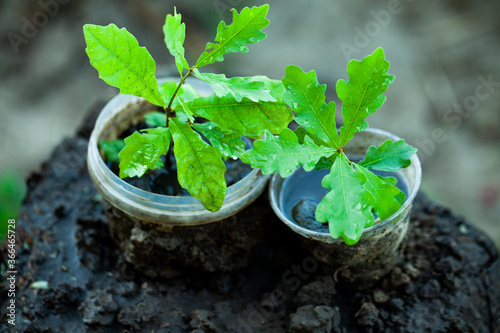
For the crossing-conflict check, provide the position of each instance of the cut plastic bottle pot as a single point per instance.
(381, 245)
(140, 221)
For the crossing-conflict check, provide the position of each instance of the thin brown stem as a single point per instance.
(168, 109)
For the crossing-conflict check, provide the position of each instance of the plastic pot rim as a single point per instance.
(157, 208)
(326, 237)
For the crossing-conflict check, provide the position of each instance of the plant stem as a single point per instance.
(168, 110)
(345, 156)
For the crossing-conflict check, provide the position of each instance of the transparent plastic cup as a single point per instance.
(128, 205)
(380, 246)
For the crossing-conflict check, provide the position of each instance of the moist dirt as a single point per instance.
(448, 280)
(164, 180)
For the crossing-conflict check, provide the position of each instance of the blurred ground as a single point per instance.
(445, 55)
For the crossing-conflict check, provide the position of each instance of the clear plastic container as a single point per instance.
(119, 114)
(380, 246)
(144, 224)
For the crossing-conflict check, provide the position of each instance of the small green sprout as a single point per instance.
(355, 193)
(240, 106)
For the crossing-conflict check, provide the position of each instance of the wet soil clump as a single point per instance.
(448, 280)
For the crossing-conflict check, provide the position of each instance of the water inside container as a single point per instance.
(302, 192)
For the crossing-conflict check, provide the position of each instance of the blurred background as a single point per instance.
(445, 55)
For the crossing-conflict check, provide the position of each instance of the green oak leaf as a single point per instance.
(401, 196)
(228, 143)
(245, 29)
(247, 118)
(384, 191)
(143, 151)
(237, 87)
(168, 88)
(121, 62)
(362, 95)
(347, 206)
(186, 92)
(156, 119)
(200, 169)
(284, 154)
(112, 148)
(275, 87)
(307, 98)
(175, 34)
(185, 109)
(324, 162)
(389, 156)
(301, 133)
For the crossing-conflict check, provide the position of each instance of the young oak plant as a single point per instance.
(239, 106)
(355, 192)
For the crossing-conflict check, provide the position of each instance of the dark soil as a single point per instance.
(449, 280)
(221, 246)
(164, 181)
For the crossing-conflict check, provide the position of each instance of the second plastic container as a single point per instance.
(380, 246)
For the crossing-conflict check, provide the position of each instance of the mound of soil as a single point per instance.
(448, 281)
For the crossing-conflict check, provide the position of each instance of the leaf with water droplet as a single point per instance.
(245, 29)
(363, 94)
(347, 205)
(284, 154)
(389, 156)
(143, 151)
(247, 118)
(200, 169)
(307, 98)
(385, 193)
(121, 62)
(175, 33)
(238, 87)
(227, 143)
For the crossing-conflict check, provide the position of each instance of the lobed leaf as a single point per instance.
(185, 109)
(175, 34)
(386, 194)
(143, 151)
(363, 93)
(247, 118)
(228, 143)
(284, 154)
(324, 162)
(186, 92)
(112, 148)
(347, 206)
(275, 87)
(245, 29)
(121, 62)
(200, 169)
(156, 119)
(237, 87)
(301, 133)
(307, 98)
(390, 156)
